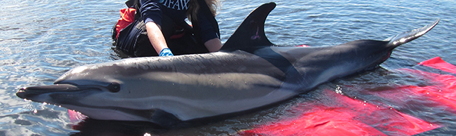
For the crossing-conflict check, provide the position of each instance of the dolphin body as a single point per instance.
(248, 73)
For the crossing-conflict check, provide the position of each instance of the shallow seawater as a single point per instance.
(42, 39)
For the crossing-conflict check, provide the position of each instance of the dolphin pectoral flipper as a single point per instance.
(251, 31)
(410, 35)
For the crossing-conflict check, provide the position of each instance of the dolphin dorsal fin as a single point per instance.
(251, 31)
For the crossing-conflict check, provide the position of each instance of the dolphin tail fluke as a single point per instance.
(251, 31)
(410, 35)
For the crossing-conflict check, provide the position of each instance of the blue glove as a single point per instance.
(166, 52)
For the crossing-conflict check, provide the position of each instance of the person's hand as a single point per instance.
(166, 52)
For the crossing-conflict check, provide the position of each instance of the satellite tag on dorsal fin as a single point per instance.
(251, 32)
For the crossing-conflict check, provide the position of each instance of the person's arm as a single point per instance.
(156, 37)
(152, 14)
(207, 28)
(213, 45)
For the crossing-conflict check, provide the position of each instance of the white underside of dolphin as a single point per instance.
(246, 74)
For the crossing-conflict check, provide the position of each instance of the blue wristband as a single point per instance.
(166, 52)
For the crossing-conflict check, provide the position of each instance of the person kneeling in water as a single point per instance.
(162, 23)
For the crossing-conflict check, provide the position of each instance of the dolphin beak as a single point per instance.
(30, 92)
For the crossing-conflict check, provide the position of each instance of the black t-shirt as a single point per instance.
(154, 10)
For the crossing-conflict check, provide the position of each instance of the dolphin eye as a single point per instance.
(114, 87)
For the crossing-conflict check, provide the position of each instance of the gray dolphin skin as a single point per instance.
(248, 73)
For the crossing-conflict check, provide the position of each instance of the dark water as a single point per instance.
(42, 39)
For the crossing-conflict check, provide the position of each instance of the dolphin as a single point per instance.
(248, 73)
